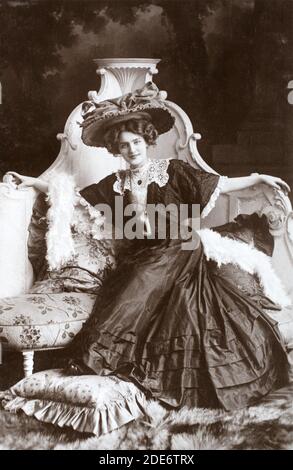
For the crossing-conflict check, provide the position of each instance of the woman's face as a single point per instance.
(133, 148)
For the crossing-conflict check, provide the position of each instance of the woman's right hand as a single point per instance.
(23, 182)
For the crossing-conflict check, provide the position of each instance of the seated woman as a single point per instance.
(164, 318)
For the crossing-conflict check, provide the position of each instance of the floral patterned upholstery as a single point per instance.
(85, 272)
(93, 256)
(42, 321)
(61, 299)
(87, 403)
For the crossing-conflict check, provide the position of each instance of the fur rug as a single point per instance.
(266, 426)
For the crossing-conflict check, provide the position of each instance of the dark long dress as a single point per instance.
(168, 321)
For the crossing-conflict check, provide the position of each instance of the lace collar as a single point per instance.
(157, 173)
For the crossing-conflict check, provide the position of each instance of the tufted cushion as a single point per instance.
(87, 403)
(43, 320)
(252, 229)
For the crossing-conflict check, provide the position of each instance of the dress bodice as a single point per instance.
(166, 183)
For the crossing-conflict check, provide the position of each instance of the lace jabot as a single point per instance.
(155, 172)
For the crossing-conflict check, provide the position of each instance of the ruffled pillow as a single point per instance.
(86, 403)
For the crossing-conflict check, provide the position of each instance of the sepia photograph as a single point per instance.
(146, 227)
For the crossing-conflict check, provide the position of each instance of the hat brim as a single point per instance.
(93, 131)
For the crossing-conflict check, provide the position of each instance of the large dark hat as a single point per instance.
(145, 103)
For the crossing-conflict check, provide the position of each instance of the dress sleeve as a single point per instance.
(99, 193)
(195, 186)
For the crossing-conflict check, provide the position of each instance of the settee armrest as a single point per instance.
(16, 274)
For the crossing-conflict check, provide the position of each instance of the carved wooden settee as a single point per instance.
(89, 165)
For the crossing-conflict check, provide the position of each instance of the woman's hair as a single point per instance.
(141, 127)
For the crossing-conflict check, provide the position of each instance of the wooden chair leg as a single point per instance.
(28, 362)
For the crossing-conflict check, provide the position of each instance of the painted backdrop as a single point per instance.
(226, 62)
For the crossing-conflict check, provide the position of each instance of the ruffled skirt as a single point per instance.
(168, 321)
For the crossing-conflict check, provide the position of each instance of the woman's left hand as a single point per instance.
(275, 182)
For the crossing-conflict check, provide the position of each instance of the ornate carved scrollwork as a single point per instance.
(191, 138)
(278, 211)
(276, 219)
(9, 179)
(280, 217)
(153, 71)
(195, 155)
(290, 226)
(8, 187)
(66, 137)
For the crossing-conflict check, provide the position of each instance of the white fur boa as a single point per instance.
(224, 250)
(61, 197)
(67, 210)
